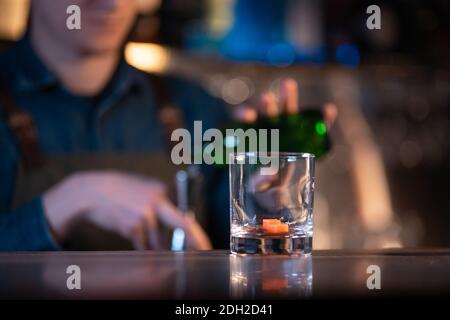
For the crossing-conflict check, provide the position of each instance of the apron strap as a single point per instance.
(23, 128)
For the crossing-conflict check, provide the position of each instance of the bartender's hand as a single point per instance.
(119, 202)
(288, 102)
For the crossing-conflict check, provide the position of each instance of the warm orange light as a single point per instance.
(148, 57)
(13, 18)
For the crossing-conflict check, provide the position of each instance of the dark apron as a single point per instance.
(37, 173)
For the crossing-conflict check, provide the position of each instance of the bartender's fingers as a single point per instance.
(245, 114)
(261, 183)
(330, 113)
(168, 214)
(138, 237)
(289, 96)
(151, 225)
(287, 174)
(196, 237)
(172, 217)
(268, 106)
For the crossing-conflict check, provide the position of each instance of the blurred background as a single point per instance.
(387, 181)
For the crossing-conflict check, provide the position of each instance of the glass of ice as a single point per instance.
(271, 203)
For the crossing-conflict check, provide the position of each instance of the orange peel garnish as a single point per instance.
(274, 226)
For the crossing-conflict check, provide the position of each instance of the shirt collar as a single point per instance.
(124, 80)
(33, 75)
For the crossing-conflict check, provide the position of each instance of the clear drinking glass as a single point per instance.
(271, 199)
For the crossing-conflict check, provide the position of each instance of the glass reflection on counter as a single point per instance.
(275, 277)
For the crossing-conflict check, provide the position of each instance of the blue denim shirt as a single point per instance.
(122, 119)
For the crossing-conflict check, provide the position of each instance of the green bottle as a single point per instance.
(305, 131)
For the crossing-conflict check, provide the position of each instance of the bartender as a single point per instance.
(79, 131)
